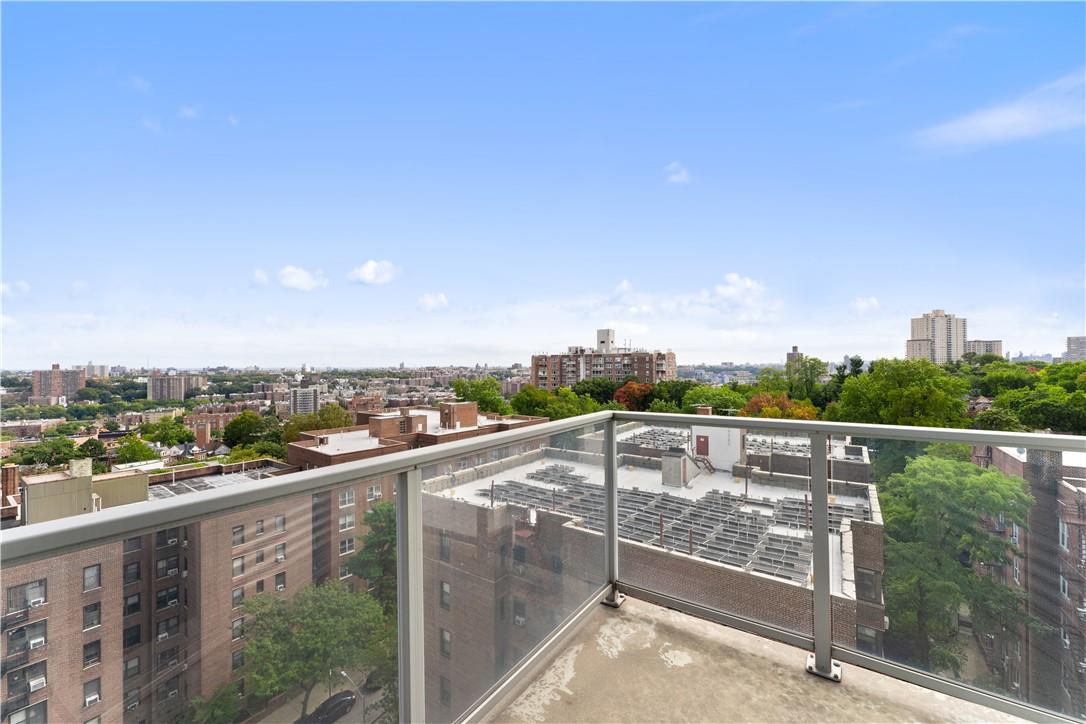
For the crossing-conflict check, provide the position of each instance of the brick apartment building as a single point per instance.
(208, 426)
(1046, 667)
(48, 387)
(551, 371)
(173, 387)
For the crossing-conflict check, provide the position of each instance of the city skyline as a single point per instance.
(440, 186)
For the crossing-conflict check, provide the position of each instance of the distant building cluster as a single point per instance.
(173, 386)
(941, 338)
(55, 386)
(551, 371)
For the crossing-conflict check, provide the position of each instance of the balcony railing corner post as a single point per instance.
(610, 526)
(820, 662)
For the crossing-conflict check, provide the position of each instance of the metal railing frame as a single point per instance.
(43, 540)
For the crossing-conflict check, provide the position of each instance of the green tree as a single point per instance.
(332, 415)
(672, 391)
(112, 425)
(531, 400)
(663, 405)
(56, 451)
(935, 514)
(998, 418)
(168, 431)
(903, 392)
(1046, 407)
(724, 400)
(771, 379)
(766, 404)
(302, 641)
(222, 707)
(244, 429)
(92, 448)
(487, 393)
(259, 449)
(998, 377)
(134, 450)
(376, 560)
(600, 389)
(1071, 376)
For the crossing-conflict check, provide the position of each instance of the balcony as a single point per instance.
(744, 566)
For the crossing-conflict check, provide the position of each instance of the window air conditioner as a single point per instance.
(281, 587)
(185, 543)
(171, 542)
(172, 572)
(280, 558)
(91, 700)
(38, 683)
(35, 602)
(184, 574)
(172, 602)
(172, 694)
(518, 568)
(163, 635)
(132, 706)
(520, 620)
(37, 642)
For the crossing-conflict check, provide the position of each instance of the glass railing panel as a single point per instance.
(973, 569)
(706, 518)
(512, 546)
(259, 612)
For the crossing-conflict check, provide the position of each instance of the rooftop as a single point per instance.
(161, 491)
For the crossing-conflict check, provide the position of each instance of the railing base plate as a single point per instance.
(834, 674)
(615, 601)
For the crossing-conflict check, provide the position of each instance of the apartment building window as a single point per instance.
(169, 627)
(1014, 533)
(92, 577)
(280, 552)
(344, 571)
(867, 585)
(237, 628)
(237, 660)
(131, 667)
(29, 636)
(260, 586)
(27, 594)
(1017, 572)
(167, 597)
(167, 567)
(346, 497)
(445, 546)
(132, 636)
(238, 566)
(167, 537)
(131, 572)
(170, 689)
(131, 699)
(373, 492)
(1063, 586)
(1065, 536)
(346, 545)
(446, 643)
(280, 581)
(446, 692)
(35, 714)
(520, 612)
(168, 658)
(237, 535)
(92, 615)
(236, 597)
(131, 604)
(92, 653)
(445, 594)
(346, 522)
(20, 680)
(260, 556)
(95, 720)
(92, 692)
(280, 523)
(133, 544)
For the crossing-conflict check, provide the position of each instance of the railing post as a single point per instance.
(820, 662)
(610, 522)
(409, 572)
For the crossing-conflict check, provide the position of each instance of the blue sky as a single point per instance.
(357, 184)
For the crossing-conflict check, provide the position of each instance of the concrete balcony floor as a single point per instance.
(644, 663)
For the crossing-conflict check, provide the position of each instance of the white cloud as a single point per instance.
(624, 287)
(863, 305)
(233, 120)
(294, 277)
(151, 124)
(676, 173)
(188, 112)
(260, 277)
(1053, 107)
(433, 301)
(139, 84)
(14, 289)
(374, 272)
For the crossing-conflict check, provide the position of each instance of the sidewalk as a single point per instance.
(290, 711)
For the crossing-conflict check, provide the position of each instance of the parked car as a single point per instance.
(332, 709)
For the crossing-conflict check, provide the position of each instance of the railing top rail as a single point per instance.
(1029, 440)
(50, 538)
(42, 540)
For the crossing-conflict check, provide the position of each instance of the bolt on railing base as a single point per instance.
(834, 674)
(614, 600)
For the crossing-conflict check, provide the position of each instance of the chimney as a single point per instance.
(9, 480)
(703, 410)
